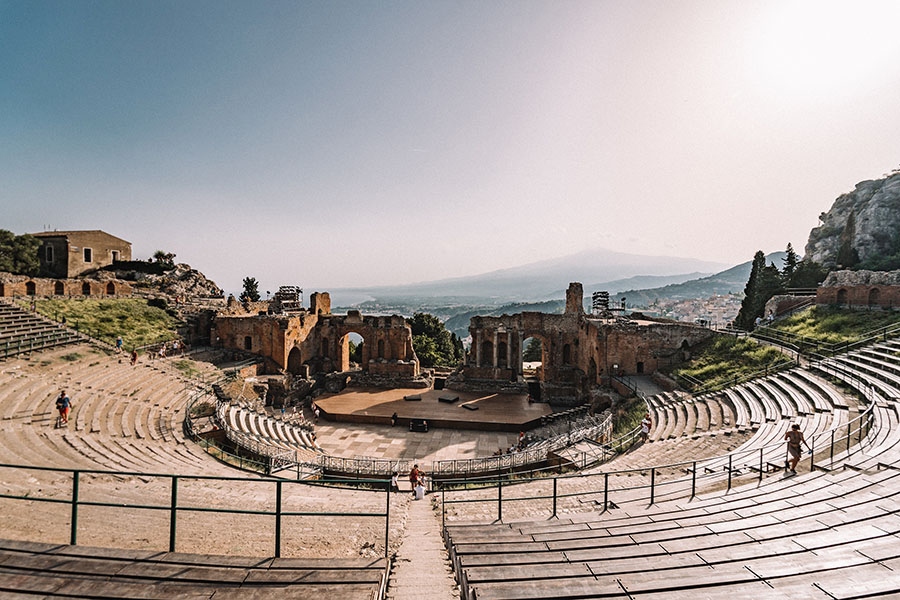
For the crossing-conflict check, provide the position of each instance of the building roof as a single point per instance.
(66, 234)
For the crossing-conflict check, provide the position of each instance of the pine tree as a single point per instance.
(251, 290)
(746, 316)
(790, 265)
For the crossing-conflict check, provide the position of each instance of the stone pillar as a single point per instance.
(520, 368)
(478, 348)
(496, 341)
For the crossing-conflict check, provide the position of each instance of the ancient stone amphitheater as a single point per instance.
(121, 504)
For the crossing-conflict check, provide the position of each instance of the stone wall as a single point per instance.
(579, 352)
(316, 341)
(19, 285)
(861, 289)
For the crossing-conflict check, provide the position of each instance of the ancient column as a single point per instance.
(478, 348)
(520, 369)
(496, 340)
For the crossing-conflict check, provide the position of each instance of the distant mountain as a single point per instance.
(543, 279)
(634, 283)
(729, 281)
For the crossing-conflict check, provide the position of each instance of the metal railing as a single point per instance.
(725, 467)
(75, 501)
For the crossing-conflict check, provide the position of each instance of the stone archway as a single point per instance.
(294, 361)
(874, 297)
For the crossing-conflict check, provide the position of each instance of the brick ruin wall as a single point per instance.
(316, 341)
(18, 285)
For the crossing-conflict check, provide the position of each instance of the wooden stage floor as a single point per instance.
(496, 412)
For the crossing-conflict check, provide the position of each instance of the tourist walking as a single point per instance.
(646, 424)
(794, 438)
(63, 405)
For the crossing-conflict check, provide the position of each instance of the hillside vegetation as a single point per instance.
(724, 358)
(134, 319)
(830, 325)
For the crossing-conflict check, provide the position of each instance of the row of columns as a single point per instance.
(495, 359)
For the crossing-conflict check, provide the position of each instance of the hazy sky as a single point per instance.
(356, 143)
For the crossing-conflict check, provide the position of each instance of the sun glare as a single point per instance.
(814, 47)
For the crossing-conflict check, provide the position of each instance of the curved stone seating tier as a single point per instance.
(123, 418)
(53, 570)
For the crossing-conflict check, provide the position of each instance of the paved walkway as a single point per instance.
(422, 568)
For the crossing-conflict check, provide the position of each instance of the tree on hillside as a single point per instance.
(791, 260)
(746, 316)
(19, 253)
(251, 290)
(847, 256)
(164, 259)
(432, 342)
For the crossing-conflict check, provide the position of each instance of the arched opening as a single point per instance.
(86, 288)
(874, 297)
(502, 359)
(294, 361)
(30, 288)
(567, 354)
(248, 342)
(353, 352)
(59, 288)
(380, 348)
(534, 357)
(842, 296)
(487, 354)
(110, 289)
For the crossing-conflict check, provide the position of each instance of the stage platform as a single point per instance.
(496, 412)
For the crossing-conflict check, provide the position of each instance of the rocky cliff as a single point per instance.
(863, 224)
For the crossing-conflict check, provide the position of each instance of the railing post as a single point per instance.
(652, 484)
(387, 519)
(554, 496)
(278, 485)
(173, 513)
(605, 492)
(729, 471)
(831, 460)
(73, 533)
(694, 480)
(499, 499)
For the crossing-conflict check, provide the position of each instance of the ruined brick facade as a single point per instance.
(67, 254)
(19, 285)
(579, 352)
(316, 341)
(861, 289)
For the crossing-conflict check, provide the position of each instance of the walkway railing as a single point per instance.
(76, 501)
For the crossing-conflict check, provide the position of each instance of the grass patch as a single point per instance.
(627, 416)
(186, 367)
(105, 319)
(71, 357)
(723, 358)
(830, 325)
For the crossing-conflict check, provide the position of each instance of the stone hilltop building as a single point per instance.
(579, 352)
(68, 254)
